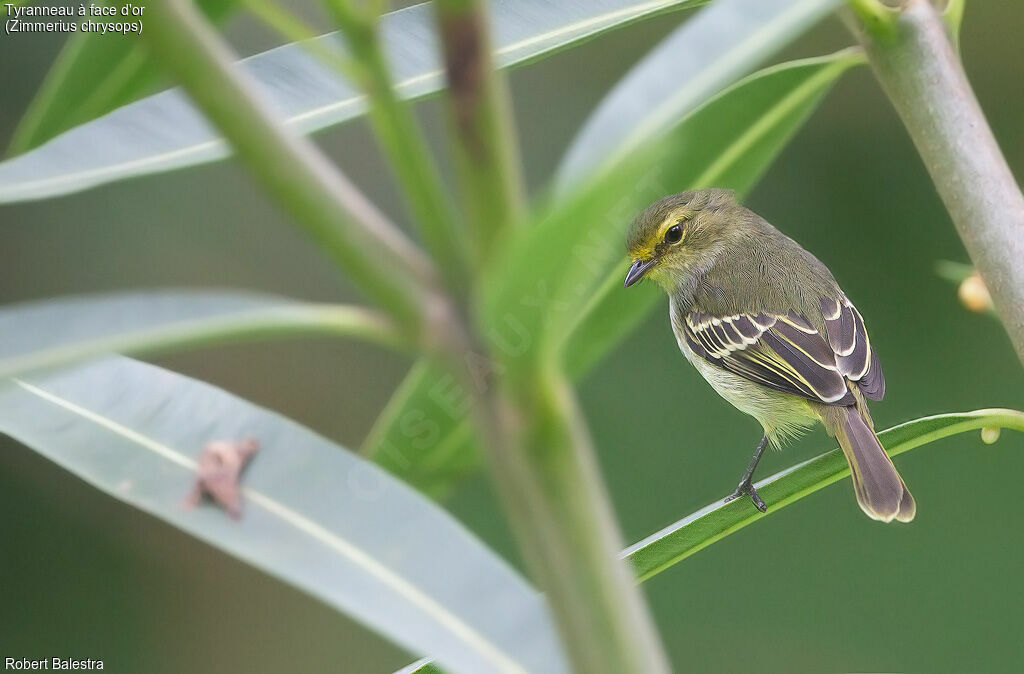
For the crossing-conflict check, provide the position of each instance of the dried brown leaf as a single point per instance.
(220, 465)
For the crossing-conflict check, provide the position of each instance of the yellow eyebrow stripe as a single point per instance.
(647, 251)
(673, 219)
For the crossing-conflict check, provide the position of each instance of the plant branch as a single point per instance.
(551, 488)
(348, 226)
(546, 476)
(922, 75)
(403, 143)
(486, 155)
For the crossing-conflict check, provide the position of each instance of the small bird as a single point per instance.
(766, 324)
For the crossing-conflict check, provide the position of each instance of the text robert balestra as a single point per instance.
(54, 664)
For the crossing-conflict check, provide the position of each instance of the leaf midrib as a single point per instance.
(456, 626)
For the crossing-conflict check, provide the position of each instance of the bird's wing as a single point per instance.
(856, 360)
(786, 353)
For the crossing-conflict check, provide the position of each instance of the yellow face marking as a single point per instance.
(646, 250)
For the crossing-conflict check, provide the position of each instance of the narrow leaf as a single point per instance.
(51, 333)
(717, 46)
(717, 520)
(165, 132)
(313, 515)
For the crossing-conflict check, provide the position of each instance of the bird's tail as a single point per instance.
(880, 490)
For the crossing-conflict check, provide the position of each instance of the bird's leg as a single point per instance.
(746, 485)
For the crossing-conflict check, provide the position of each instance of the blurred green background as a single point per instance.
(816, 588)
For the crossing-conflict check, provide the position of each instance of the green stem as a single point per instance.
(289, 320)
(551, 487)
(347, 226)
(403, 143)
(486, 155)
(922, 75)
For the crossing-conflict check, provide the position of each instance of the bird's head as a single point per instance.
(679, 233)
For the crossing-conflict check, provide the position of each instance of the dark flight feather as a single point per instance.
(786, 353)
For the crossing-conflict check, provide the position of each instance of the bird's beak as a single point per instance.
(639, 268)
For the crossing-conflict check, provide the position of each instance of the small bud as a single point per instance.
(974, 295)
(989, 434)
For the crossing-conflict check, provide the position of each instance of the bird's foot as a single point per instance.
(747, 488)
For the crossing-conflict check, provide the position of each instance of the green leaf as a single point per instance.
(717, 46)
(165, 132)
(39, 335)
(424, 435)
(729, 142)
(313, 515)
(717, 520)
(93, 74)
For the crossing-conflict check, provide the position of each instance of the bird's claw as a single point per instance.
(747, 488)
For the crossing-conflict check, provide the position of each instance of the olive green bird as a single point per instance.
(766, 325)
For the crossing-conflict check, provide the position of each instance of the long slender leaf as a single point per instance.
(710, 524)
(717, 520)
(314, 515)
(728, 142)
(39, 335)
(686, 68)
(94, 74)
(164, 132)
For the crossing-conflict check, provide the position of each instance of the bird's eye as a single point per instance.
(674, 234)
